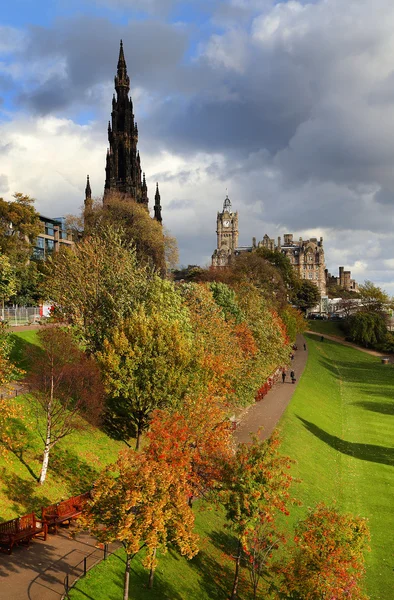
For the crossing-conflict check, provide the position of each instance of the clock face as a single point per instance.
(226, 223)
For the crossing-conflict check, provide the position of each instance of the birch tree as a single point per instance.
(65, 386)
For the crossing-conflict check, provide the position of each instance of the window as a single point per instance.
(49, 245)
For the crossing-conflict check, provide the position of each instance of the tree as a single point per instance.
(281, 262)
(257, 486)
(374, 298)
(225, 298)
(305, 295)
(142, 503)
(65, 385)
(136, 228)
(8, 372)
(96, 285)
(8, 283)
(367, 328)
(294, 321)
(327, 560)
(146, 364)
(19, 227)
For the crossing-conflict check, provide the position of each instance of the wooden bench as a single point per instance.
(22, 529)
(64, 512)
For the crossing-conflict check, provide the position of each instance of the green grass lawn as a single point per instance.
(339, 428)
(74, 463)
(326, 328)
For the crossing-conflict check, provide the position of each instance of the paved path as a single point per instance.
(38, 572)
(268, 411)
(340, 340)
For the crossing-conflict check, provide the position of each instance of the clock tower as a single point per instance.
(227, 235)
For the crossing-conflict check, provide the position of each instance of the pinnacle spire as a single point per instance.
(157, 207)
(122, 79)
(88, 190)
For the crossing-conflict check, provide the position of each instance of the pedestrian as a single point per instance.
(293, 378)
(291, 356)
(283, 376)
(304, 346)
(322, 339)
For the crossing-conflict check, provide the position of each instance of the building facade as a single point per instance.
(54, 234)
(306, 256)
(344, 280)
(123, 171)
(227, 235)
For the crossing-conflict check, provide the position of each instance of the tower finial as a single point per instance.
(157, 207)
(88, 190)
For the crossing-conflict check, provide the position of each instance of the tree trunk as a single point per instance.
(236, 576)
(138, 439)
(127, 578)
(152, 571)
(47, 446)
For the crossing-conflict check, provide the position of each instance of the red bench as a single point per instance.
(64, 512)
(22, 529)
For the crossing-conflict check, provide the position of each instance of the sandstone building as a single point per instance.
(344, 280)
(306, 256)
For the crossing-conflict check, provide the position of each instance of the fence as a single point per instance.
(20, 315)
(80, 569)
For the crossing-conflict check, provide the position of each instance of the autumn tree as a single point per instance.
(373, 298)
(95, 285)
(294, 321)
(257, 485)
(8, 284)
(146, 364)
(19, 227)
(327, 560)
(142, 503)
(65, 386)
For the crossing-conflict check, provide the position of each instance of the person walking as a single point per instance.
(283, 376)
(293, 378)
(304, 346)
(322, 339)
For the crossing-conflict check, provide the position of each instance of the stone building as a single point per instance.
(123, 171)
(344, 280)
(306, 256)
(227, 235)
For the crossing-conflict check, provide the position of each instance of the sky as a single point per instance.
(286, 105)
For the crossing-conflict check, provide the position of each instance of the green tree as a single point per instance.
(95, 285)
(305, 295)
(367, 328)
(373, 298)
(146, 364)
(281, 262)
(225, 298)
(8, 284)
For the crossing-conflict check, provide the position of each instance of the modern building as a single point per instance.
(54, 234)
(306, 256)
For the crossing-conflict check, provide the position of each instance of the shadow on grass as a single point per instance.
(367, 452)
(22, 351)
(75, 472)
(24, 496)
(384, 408)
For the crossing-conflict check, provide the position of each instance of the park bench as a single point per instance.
(22, 529)
(64, 511)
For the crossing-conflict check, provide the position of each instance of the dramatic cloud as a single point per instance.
(289, 105)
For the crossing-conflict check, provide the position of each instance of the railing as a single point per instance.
(80, 569)
(20, 315)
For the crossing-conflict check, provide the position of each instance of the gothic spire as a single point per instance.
(157, 205)
(88, 190)
(122, 79)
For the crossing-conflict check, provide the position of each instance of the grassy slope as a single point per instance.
(74, 462)
(326, 328)
(339, 428)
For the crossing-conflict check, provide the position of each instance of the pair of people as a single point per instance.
(292, 376)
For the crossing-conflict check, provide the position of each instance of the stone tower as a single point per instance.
(157, 205)
(227, 235)
(123, 168)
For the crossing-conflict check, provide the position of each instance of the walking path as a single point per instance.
(38, 572)
(268, 411)
(340, 340)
